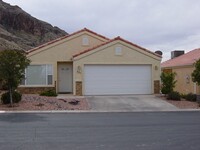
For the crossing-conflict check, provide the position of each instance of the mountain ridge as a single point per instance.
(19, 30)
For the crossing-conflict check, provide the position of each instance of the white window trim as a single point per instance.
(49, 74)
(46, 74)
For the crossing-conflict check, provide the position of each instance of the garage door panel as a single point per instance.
(117, 79)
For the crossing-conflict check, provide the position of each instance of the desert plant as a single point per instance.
(183, 96)
(174, 96)
(50, 93)
(168, 82)
(191, 97)
(5, 98)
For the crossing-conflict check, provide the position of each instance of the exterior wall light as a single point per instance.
(79, 69)
(156, 67)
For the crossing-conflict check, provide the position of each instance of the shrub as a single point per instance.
(164, 90)
(191, 97)
(168, 82)
(5, 98)
(174, 96)
(196, 72)
(50, 93)
(183, 96)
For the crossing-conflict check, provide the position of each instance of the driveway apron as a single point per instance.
(129, 103)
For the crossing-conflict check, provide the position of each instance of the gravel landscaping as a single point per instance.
(36, 102)
(183, 104)
(31, 102)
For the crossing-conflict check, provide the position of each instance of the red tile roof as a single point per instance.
(64, 37)
(183, 60)
(115, 39)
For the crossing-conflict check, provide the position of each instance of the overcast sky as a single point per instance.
(164, 25)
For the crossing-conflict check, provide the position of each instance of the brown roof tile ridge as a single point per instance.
(115, 39)
(126, 41)
(46, 44)
(53, 41)
(86, 29)
(63, 37)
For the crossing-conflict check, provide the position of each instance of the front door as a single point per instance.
(65, 78)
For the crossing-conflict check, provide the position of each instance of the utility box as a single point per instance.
(177, 53)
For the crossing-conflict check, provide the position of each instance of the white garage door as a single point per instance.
(117, 79)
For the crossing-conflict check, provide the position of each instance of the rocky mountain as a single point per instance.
(19, 30)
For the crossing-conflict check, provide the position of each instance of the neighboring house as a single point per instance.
(86, 63)
(183, 66)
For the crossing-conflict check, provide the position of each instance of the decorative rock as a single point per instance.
(74, 102)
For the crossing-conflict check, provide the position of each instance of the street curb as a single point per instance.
(100, 111)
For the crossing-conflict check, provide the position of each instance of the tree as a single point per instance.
(168, 82)
(196, 72)
(12, 66)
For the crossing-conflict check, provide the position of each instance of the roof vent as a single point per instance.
(159, 52)
(177, 53)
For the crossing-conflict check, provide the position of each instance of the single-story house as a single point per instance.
(183, 66)
(87, 63)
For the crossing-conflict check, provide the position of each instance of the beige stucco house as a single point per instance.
(86, 63)
(183, 66)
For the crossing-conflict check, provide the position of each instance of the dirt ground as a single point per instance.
(35, 102)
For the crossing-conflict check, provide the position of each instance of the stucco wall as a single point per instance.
(63, 50)
(106, 55)
(184, 80)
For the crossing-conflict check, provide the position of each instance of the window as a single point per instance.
(49, 74)
(118, 50)
(38, 75)
(85, 41)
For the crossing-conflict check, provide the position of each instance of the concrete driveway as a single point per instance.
(129, 103)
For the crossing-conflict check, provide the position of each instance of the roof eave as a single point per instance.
(64, 37)
(76, 56)
(176, 66)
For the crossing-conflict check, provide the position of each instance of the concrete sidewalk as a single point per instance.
(129, 103)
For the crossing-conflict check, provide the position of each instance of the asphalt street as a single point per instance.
(100, 131)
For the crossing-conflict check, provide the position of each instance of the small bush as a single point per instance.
(164, 90)
(168, 82)
(50, 93)
(5, 98)
(191, 97)
(183, 96)
(174, 96)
